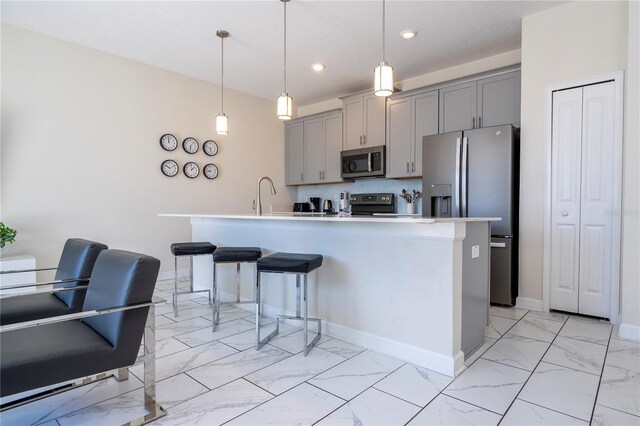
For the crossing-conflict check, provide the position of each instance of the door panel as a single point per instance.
(490, 176)
(565, 199)
(425, 123)
(399, 143)
(499, 100)
(501, 271)
(294, 153)
(353, 123)
(374, 120)
(597, 199)
(314, 150)
(333, 146)
(439, 168)
(458, 107)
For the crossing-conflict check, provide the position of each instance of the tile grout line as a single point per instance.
(604, 362)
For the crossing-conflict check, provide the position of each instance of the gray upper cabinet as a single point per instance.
(458, 107)
(313, 148)
(487, 102)
(294, 153)
(499, 100)
(408, 120)
(364, 121)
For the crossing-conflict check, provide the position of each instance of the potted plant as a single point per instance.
(7, 235)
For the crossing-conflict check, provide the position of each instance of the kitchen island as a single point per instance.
(410, 287)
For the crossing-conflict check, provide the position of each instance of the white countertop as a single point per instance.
(334, 218)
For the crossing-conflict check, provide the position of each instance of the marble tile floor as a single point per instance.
(534, 368)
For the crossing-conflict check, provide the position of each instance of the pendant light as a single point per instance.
(222, 121)
(383, 74)
(285, 102)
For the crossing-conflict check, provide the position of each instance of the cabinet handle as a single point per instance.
(473, 122)
(360, 139)
(365, 139)
(301, 176)
(479, 122)
(413, 166)
(319, 175)
(407, 167)
(323, 175)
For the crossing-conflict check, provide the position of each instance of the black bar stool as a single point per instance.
(189, 249)
(235, 255)
(288, 263)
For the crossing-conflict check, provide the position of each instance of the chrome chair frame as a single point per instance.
(176, 293)
(148, 359)
(216, 294)
(305, 318)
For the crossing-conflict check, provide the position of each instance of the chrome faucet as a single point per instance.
(258, 196)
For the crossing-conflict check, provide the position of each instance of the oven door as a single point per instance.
(368, 162)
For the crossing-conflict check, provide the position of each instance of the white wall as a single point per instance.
(80, 155)
(576, 40)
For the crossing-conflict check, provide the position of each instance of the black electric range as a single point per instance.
(368, 204)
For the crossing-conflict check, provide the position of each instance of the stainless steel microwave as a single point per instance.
(364, 162)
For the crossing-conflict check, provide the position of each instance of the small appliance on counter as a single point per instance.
(301, 207)
(327, 206)
(363, 163)
(344, 201)
(314, 204)
(374, 203)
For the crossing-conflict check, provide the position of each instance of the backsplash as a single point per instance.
(332, 192)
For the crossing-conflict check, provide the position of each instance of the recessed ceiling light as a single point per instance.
(318, 67)
(408, 34)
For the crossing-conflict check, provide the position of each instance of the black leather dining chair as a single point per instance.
(105, 336)
(74, 269)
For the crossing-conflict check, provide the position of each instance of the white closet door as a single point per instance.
(565, 199)
(596, 195)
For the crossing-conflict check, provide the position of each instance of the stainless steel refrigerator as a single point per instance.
(475, 173)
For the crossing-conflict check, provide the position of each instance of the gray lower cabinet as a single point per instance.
(408, 120)
(313, 148)
(487, 102)
(364, 120)
(294, 153)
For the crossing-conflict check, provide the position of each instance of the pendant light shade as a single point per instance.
(285, 106)
(383, 73)
(383, 85)
(285, 102)
(222, 121)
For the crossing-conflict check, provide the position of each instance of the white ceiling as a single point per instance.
(344, 35)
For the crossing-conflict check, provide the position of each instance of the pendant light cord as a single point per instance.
(383, 29)
(222, 77)
(285, 47)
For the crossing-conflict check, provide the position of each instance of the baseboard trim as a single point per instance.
(531, 304)
(169, 275)
(629, 332)
(450, 366)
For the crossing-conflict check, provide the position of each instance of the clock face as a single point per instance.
(191, 170)
(169, 168)
(211, 171)
(190, 145)
(210, 148)
(168, 142)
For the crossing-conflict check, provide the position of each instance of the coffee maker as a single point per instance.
(315, 203)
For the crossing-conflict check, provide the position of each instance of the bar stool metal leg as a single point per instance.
(175, 285)
(191, 289)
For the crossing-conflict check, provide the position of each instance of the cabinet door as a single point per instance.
(374, 120)
(294, 153)
(499, 100)
(399, 142)
(425, 123)
(353, 123)
(332, 147)
(458, 107)
(565, 199)
(313, 150)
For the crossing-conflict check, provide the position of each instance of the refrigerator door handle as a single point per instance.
(465, 155)
(499, 245)
(456, 189)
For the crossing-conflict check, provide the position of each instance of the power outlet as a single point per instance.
(475, 251)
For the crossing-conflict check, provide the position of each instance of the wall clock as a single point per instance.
(169, 168)
(211, 171)
(190, 145)
(210, 148)
(191, 170)
(168, 142)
